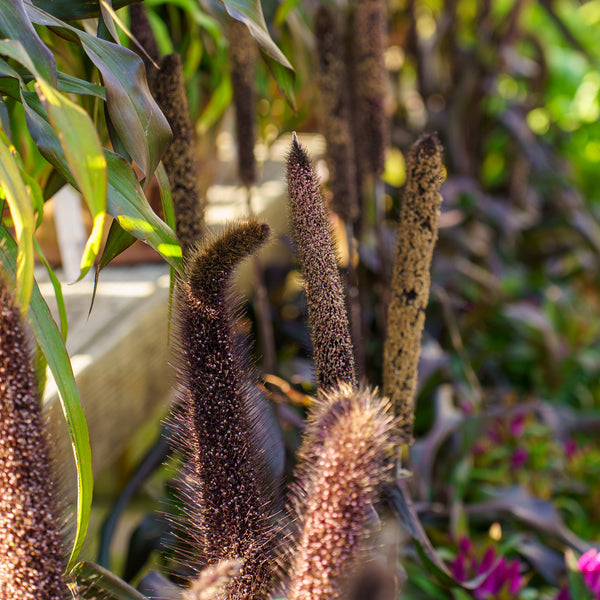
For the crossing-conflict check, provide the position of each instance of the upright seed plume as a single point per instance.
(333, 87)
(411, 278)
(242, 58)
(180, 158)
(330, 334)
(344, 458)
(369, 77)
(221, 429)
(30, 545)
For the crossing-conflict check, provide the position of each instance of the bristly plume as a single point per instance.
(345, 457)
(31, 555)
(330, 332)
(333, 88)
(368, 41)
(242, 59)
(411, 278)
(212, 580)
(227, 504)
(180, 158)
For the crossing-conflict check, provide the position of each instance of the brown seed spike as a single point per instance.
(330, 332)
(30, 546)
(221, 428)
(242, 58)
(212, 265)
(369, 77)
(142, 32)
(333, 88)
(345, 457)
(180, 159)
(411, 278)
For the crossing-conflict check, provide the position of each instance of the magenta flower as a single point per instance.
(589, 566)
(519, 458)
(502, 575)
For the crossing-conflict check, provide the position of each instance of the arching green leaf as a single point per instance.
(19, 203)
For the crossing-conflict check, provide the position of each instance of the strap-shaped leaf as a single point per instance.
(250, 13)
(51, 344)
(128, 204)
(19, 203)
(85, 157)
(133, 111)
(15, 24)
(95, 581)
(126, 201)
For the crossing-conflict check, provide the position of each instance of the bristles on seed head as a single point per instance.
(330, 331)
(211, 265)
(220, 430)
(346, 455)
(30, 546)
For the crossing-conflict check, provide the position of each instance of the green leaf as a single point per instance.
(73, 85)
(97, 582)
(51, 344)
(166, 198)
(219, 101)
(15, 25)
(250, 13)
(117, 241)
(60, 300)
(84, 154)
(68, 10)
(133, 111)
(193, 10)
(4, 118)
(21, 212)
(127, 203)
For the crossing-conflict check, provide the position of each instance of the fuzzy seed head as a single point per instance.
(369, 75)
(180, 158)
(142, 32)
(411, 278)
(30, 545)
(242, 59)
(221, 427)
(330, 331)
(345, 457)
(333, 88)
(212, 580)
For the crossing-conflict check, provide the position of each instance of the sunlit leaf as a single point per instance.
(137, 119)
(21, 212)
(127, 203)
(84, 154)
(117, 241)
(50, 342)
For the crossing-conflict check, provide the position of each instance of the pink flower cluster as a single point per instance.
(589, 567)
(502, 575)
